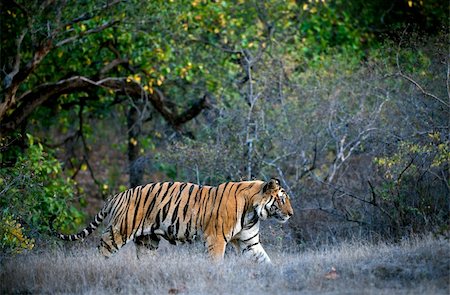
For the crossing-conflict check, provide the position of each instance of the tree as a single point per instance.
(50, 32)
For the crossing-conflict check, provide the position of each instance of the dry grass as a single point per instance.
(416, 266)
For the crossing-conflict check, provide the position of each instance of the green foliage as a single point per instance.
(13, 239)
(415, 187)
(34, 191)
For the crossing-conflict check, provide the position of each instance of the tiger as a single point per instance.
(180, 212)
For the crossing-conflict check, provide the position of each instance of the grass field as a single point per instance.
(416, 266)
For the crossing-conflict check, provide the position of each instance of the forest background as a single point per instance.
(346, 102)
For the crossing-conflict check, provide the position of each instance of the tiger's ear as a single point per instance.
(271, 185)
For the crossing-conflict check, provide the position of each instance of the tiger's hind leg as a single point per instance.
(216, 248)
(111, 241)
(146, 244)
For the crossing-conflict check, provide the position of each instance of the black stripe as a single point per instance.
(105, 245)
(215, 198)
(223, 233)
(177, 227)
(248, 247)
(165, 195)
(252, 222)
(166, 207)
(220, 202)
(246, 240)
(136, 208)
(205, 204)
(142, 221)
(117, 202)
(198, 195)
(170, 231)
(165, 210)
(123, 206)
(235, 208)
(113, 240)
(169, 186)
(177, 202)
(90, 230)
(221, 198)
(249, 186)
(186, 206)
(243, 219)
(197, 216)
(150, 189)
(124, 225)
(152, 205)
(187, 231)
(156, 224)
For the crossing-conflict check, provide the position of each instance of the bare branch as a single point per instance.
(16, 66)
(409, 79)
(424, 92)
(32, 99)
(448, 78)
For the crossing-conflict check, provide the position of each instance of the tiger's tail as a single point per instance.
(98, 219)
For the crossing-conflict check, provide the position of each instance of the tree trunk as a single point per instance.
(134, 129)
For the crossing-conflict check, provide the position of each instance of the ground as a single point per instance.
(414, 266)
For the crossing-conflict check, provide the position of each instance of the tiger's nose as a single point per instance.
(290, 213)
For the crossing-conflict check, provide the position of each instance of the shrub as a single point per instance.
(414, 187)
(33, 191)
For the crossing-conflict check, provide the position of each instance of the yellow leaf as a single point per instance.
(410, 3)
(83, 167)
(83, 27)
(137, 78)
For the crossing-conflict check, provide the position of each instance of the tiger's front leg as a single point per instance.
(256, 251)
(248, 242)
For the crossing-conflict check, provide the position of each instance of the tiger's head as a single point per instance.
(274, 202)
